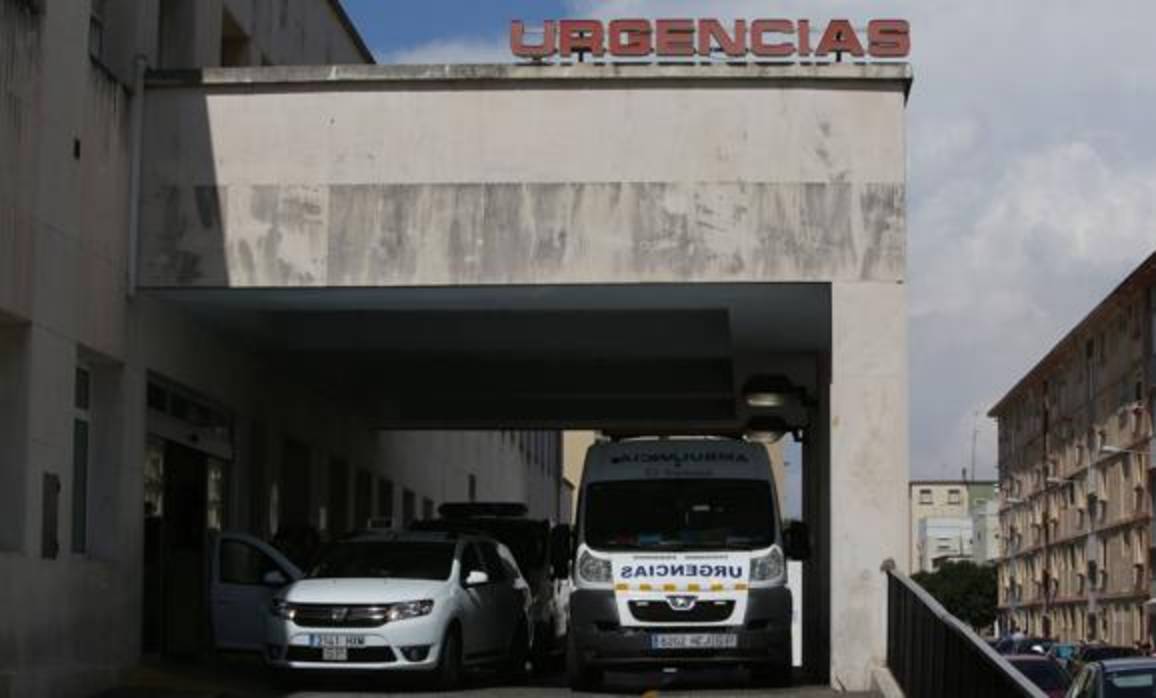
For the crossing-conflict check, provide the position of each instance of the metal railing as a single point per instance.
(932, 654)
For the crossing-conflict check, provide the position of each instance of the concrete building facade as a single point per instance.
(949, 506)
(122, 416)
(267, 266)
(1075, 455)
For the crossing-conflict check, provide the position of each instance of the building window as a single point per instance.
(81, 425)
(925, 497)
(954, 497)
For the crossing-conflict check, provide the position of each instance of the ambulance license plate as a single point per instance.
(694, 641)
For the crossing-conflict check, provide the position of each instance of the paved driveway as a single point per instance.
(243, 679)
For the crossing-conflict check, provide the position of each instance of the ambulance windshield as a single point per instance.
(691, 514)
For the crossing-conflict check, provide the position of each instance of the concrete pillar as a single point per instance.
(868, 470)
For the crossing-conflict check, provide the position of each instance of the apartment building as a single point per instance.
(1075, 449)
(942, 526)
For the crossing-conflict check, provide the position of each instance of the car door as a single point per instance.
(476, 606)
(241, 589)
(507, 595)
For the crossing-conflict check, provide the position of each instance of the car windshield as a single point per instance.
(402, 560)
(1135, 683)
(525, 539)
(679, 514)
(1044, 674)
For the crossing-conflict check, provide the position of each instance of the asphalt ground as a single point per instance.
(245, 677)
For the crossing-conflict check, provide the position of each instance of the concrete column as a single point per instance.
(868, 470)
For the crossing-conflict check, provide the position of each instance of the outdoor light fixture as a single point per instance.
(769, 391)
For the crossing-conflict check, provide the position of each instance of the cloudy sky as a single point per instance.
(1032, 169)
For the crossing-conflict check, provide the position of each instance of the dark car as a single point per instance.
(530, 541)
(1043, 672)
(1116, 678)
(1099, 653)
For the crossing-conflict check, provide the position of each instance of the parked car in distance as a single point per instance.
(1097, 653)
(1043, 672)
(1029, 645)
(1133, 677)
(404, 601)
(531, 542)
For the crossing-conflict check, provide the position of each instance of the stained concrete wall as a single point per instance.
(394, 176)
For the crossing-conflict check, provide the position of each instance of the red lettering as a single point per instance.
(630, 37)
(805, 38)
(762, 27)
(675, 37)
(711, 31)
(547, 48)
(889, 38)
(840, 37)
(581, 35)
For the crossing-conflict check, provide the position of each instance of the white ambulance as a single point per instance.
(680, 559)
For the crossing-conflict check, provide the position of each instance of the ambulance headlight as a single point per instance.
(593, 569)
(769, 568)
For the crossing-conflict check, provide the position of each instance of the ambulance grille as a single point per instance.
(661, 612)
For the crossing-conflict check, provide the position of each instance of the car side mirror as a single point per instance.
(477, 578)
(797, 541)
(275, 579)
(560, 550)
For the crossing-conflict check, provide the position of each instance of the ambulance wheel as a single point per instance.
(579, 674)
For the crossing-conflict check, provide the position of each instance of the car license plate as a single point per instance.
(334, 654)
(337, 641)
(695, 641)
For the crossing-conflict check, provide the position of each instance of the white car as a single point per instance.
(404, 601)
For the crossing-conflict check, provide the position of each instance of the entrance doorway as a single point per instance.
(184, 503)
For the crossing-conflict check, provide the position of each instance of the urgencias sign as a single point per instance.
(680, 38)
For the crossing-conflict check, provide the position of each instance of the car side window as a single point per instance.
(241, 563)
(470, 561)
(508, 562)
(493, 562)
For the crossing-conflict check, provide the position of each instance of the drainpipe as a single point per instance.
(137, 130)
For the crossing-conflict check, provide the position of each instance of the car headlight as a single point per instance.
(408, 609)
(770, 567)
(592, 569)
(280, 608)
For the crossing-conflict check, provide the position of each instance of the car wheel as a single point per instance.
(579, 674)
(448, 674)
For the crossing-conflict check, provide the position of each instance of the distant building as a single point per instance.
(950, 504)
(943, 540)
(1075, 449)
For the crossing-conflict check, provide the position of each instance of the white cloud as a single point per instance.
(461, 50)
(1032, 181)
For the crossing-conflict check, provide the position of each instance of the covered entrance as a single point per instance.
(634, 249)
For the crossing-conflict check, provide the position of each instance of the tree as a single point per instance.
(966, 590)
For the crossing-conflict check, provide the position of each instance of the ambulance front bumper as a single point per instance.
(602, 640)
